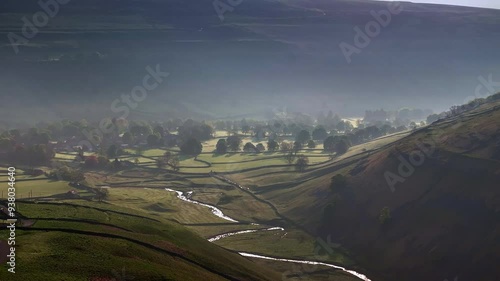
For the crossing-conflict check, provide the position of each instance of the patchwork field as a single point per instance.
(139, 207)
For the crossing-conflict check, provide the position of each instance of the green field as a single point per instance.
(276, 188)
(38, 188)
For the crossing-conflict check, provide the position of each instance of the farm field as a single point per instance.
(141, 191)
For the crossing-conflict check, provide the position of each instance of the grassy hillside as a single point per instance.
(444, 208)
(92, 241)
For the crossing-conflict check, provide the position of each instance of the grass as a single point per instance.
(159, 202)
(39, 188)
(293, 244)
(173, 224)
(121, 240)
(75, 257)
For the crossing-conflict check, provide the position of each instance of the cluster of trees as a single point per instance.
(168, 159)
(329, 121)
(37, 154)
(403, 116)
(458, 109)
(233, 144)
(191, 146)
(101, 161)
(192, 129)
(301, 163)
(250, 147)
(303, 138)
(153, 134)
(337, 144)
(67, 174)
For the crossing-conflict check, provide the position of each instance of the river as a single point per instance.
(217, 212)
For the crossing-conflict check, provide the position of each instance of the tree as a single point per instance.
(5, 144)
(70, 130)
(161, 163)
(159, 130)
(338, 183)
(117, 164)
(286, 146)
(342, 146)
(153, 140)
(272, 145)
(259, 132)
(303, 136)
(191, 147)
(245, 129)
(311, 144)
(233, 143)
(141, 130)
(290, 157)
(249, 147)
(297, 146)
(329, 144)
(112, 151)
(319, 133)
(67, 174)
(91, 161)
(32, 155)
(302, 163)
(260, 147)
(127, 138)
(102, 161)
(171, 160)
(221, 146)
(344, 126)
(42, 138)
(174, 162)
(192, 129)
(101, 193)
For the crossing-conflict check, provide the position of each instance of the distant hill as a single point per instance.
(263, 55)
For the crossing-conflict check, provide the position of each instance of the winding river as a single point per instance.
(217, 212)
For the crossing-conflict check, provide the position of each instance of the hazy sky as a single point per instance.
(472, 3)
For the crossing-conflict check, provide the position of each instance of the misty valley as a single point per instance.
(249, 140)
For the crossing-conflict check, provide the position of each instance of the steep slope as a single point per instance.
(444, 205)
(441, 186)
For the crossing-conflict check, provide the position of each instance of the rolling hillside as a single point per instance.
(98, 242)
(444, 206)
